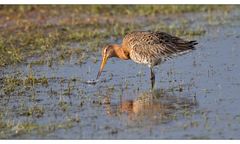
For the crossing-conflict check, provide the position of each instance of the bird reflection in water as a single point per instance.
(158, 105)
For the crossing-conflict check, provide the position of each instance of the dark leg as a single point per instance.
(152, 77)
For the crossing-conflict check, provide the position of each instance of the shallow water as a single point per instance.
(196, 95)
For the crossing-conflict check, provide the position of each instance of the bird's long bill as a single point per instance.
(104, 60)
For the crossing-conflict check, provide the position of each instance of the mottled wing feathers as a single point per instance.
(153, 47)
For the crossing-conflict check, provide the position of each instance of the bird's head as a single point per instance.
(107, 52)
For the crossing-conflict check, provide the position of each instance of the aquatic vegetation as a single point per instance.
(47, 53)
(34, 37)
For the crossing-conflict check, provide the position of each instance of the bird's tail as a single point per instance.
(191, 44)
(185, 47)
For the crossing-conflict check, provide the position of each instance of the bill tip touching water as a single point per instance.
(146, 47)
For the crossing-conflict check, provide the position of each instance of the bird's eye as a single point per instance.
(105, 50)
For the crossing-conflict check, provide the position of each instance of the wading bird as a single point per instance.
(149, 48)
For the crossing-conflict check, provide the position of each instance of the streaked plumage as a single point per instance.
(145, 47)
(152, 48)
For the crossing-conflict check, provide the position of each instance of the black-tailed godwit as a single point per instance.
(145, 47)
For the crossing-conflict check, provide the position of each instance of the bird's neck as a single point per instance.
(120, 53)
